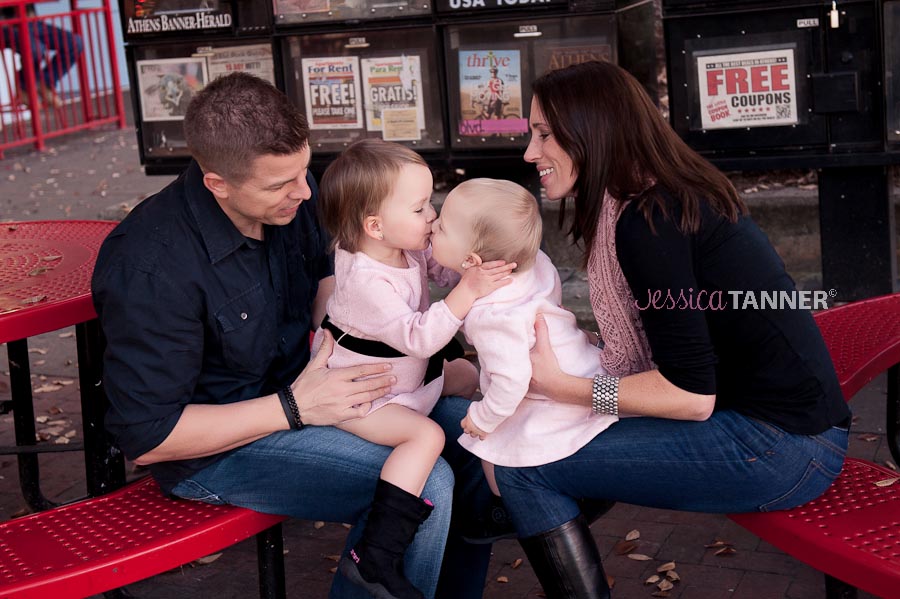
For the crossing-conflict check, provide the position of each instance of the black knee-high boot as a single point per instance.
(376, 561)
(566, 562)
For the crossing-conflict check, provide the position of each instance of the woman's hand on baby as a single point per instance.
(470, 429)
(545, 370)
(488, 277)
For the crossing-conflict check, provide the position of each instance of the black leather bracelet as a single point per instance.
(289, 405)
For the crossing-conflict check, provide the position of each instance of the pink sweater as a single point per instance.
(374, 301)
(528, 430)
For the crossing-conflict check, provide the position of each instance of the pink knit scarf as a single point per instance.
(627, 350)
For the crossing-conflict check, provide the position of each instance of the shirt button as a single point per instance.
(243, 316)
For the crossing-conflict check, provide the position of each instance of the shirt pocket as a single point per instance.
(247, 329)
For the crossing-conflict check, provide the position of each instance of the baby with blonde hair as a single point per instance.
(489, 219)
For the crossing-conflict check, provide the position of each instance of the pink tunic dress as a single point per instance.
(526, 429)
(375, 301)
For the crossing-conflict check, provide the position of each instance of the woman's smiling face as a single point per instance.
(555, 167)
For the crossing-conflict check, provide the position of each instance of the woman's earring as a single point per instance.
(381, 236)
(465, 265)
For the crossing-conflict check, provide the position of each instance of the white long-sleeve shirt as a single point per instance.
(526, 429)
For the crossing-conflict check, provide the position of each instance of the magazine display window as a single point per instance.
(300, 12)
(892, 70)
(143, 19)
(770, 80)
(359, 84)
(166, 77)
(490, 67)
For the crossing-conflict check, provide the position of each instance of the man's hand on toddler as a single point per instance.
(470, 429)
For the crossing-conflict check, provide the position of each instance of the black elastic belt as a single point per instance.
(377, 349)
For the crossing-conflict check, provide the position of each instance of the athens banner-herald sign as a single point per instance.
(747, 89)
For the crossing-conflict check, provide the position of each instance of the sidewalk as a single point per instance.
(97, 175)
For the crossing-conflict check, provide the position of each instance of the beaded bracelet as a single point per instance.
(605, 395)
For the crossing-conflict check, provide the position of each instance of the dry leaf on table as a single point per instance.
(203, 561)
(639, 557)
(887, 482)
(653, 579)
(666, 567)
(633, 535)
(502, 579)
(726, 551)
(623, 547)
(516, 563)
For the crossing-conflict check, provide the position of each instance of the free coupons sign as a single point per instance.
(747, 89)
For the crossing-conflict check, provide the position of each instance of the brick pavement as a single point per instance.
(96, 174)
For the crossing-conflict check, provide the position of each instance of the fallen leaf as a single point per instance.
(40, 362)
(653, 579)
(633, 535)
(718, 543)
(516, 563)
(867, 437)
(502, 579)
(887, 482)
(37, 350)
(12, 227)
(64, 383)
(666, 567)
(332, 569)
(891, 465)
(70, 434)
(61, 440)
(41, 419)
(38, 271)
(347, 526)
(66, 335)
(34, 300)
(639, 557)
(22, 512)
(665, 585)
(47, 388)
(53, 411)
(334, 558)
(203, 561)
(318, 524)
(610, 581)
(726, 551)
(51, 258)
(623, 547)
(673, 576)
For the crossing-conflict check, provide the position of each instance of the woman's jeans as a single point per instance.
(729, 463)
(323, 473)
(45, 38)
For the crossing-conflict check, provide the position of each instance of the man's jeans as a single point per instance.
(323, 473)
(729, 463)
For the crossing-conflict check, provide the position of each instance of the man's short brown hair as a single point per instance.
(238, 118)
(356, 183)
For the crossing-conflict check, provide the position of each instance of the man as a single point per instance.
(207, 293)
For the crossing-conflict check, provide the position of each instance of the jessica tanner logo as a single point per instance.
(702, 300)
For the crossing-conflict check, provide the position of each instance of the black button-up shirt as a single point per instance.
(194, 312)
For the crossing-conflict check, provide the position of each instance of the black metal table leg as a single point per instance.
(893, 411)
(23, 419)
(104, 463)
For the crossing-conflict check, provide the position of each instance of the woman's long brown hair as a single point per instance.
(604, 120)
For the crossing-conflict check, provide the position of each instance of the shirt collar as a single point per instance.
(219, 234)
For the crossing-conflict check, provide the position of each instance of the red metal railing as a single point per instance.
(58, 73)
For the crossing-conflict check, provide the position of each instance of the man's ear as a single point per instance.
(216, 185)
(372, 227)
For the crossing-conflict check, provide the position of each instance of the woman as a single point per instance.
(740, 407)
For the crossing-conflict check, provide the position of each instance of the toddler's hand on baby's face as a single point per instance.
(487, 278)
(470, 429)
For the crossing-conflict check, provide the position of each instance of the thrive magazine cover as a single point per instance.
(490, 92)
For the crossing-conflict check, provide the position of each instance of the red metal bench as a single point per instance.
(104, 543)
(852, 532)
